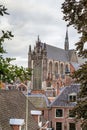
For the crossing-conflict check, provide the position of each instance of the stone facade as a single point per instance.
(50, 65)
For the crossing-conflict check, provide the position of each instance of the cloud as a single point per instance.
(30, 18)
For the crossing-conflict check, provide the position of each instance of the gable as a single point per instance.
(73, 56)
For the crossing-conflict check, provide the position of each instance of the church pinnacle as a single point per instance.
(66, 40)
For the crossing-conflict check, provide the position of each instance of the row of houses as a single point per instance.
(43, 114)
(46, 102)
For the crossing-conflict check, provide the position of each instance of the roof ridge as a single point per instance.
(58, 95)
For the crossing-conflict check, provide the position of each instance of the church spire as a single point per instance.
(38, 39)
(66, 40)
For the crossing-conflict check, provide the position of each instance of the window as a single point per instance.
(72, 97)
(49, 84)
(67, 71)
(59, 113)
(50, 67)
(72, 126)
(58, 126)
(71, 114)
(23, 88)
(56, 67)
(61, 68)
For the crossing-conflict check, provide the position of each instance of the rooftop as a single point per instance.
(13, 106)
(62, 99)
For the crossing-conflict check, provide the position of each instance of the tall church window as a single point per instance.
(56, 67)
(56, 71)
(50, 67)
(61, 68)
(66, 69)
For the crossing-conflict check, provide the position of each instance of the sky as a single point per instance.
(30, 18)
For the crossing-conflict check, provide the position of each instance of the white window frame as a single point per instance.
(62, 112)
(71, 122)
(62, 124)
(69, 116)
(72, 94)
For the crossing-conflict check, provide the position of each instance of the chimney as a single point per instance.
(16, 123)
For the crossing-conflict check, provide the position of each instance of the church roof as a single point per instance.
(13, 105)
(57, 53)
(53, 52)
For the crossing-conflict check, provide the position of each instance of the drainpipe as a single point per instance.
(26, 125)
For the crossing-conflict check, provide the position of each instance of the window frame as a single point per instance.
(72, 123)
(61, 125)
(69, 114)
(73, 97)
(62, 113)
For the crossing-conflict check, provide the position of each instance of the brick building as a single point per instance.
(50, 65)
(13, 112)
(60, 112)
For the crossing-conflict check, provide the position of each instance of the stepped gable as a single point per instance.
(13, 105)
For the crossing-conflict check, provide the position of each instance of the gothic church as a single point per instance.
(50, 64)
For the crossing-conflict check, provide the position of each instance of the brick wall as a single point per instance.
(15, 127)
(65, 120)
(35, 118)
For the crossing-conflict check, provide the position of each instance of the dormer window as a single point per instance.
(72, 97)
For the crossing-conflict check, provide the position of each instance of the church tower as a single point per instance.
(66, 41)
(37, 60)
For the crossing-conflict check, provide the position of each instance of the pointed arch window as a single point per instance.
(61, 68)
(67, 69)
(56, 67)
(50, 67)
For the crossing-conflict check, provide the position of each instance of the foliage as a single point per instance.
(75, 13)
(9, 72)
(3, 10)
(81, 77)
(80, 110)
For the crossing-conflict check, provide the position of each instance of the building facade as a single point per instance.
(60, 113)
(50, 64)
